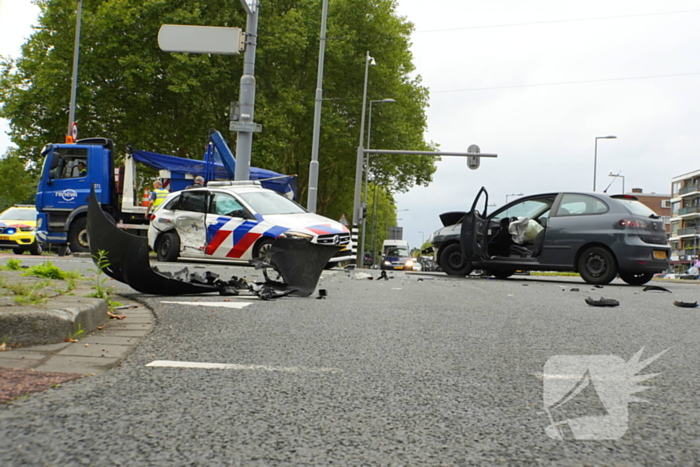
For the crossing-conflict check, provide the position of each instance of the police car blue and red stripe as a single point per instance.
(236, 221)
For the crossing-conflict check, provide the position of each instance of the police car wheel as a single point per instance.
(264, 249)
(168, 247)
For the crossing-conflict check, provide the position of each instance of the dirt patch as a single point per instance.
(16, 382)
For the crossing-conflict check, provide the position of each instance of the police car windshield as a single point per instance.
(267, 202)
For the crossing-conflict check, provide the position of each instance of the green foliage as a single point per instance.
(49, 271)
(381, 214)
(27, 294)
(17, 185)
(12, 265)
(77, 333)
(135, 93)
(102, 262)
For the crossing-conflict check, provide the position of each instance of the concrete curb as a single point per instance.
(95, 352)
(60, 318)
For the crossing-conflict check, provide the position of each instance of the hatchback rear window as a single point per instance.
(637, 208)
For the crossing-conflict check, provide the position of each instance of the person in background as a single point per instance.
(82, 169)
(198, 183)
(157, 197)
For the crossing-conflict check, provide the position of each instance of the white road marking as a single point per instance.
(234, 366)
(237, 305)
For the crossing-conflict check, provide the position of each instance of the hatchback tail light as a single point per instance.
(153, 216)
(632, 223)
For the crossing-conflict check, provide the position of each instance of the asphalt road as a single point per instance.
(399, 372)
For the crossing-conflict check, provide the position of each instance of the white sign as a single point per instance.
(245, 126)
(200, 39)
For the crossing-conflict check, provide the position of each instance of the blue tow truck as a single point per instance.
(71, 170)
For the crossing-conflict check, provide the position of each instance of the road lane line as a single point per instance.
(235, 366)
(237, 305)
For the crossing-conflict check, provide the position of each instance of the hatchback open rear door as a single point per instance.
(473, 236)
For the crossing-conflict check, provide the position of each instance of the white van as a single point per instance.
(396, 255)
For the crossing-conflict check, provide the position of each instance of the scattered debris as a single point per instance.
(322, 294)
(686, 304)
(602, 302)
(349, 267)
(574, 289)
(655, 288)
(362, 275)
(71, 340)
(297, 261)
(3, 348)
(125, 307)
(598, 286)
(383, 276)
(113, 316)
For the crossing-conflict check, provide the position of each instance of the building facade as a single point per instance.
(685, 221)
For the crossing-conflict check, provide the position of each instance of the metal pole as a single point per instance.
(244, 142)
(313, 166)
(366, 177)
(358, 163)
(372, 241)
(74, 78)
(595, 155)
(595, 161)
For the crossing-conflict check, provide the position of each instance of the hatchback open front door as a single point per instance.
(473, 236)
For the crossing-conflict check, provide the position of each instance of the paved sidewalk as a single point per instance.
(94, 352)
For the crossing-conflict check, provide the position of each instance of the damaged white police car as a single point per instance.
(236, 221)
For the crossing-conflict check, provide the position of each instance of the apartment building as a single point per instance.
(685, 221)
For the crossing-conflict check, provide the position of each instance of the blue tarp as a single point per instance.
(281, 183)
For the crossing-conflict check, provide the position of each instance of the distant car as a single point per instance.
(596, 235)
(17, 226)
(238, 222)
(398, 258)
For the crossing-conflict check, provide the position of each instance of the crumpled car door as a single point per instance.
(189, 220)
(473, 236)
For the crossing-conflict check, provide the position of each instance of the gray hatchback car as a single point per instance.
(597, 235)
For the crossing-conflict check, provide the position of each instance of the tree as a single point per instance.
(17, 185)
(132, 92)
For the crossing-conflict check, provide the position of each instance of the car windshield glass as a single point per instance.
(269, 202)
(397, 252)
(530, 209)
(637, 208)
(16, 214)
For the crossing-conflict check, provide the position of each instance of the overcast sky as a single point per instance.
(535, 82)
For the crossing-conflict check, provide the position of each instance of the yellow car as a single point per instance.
(17, 226)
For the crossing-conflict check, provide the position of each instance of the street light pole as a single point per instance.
(313, 165)
(595, 155)
(366, 173)
(74, 77)
(356, 209)
(244, 140)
